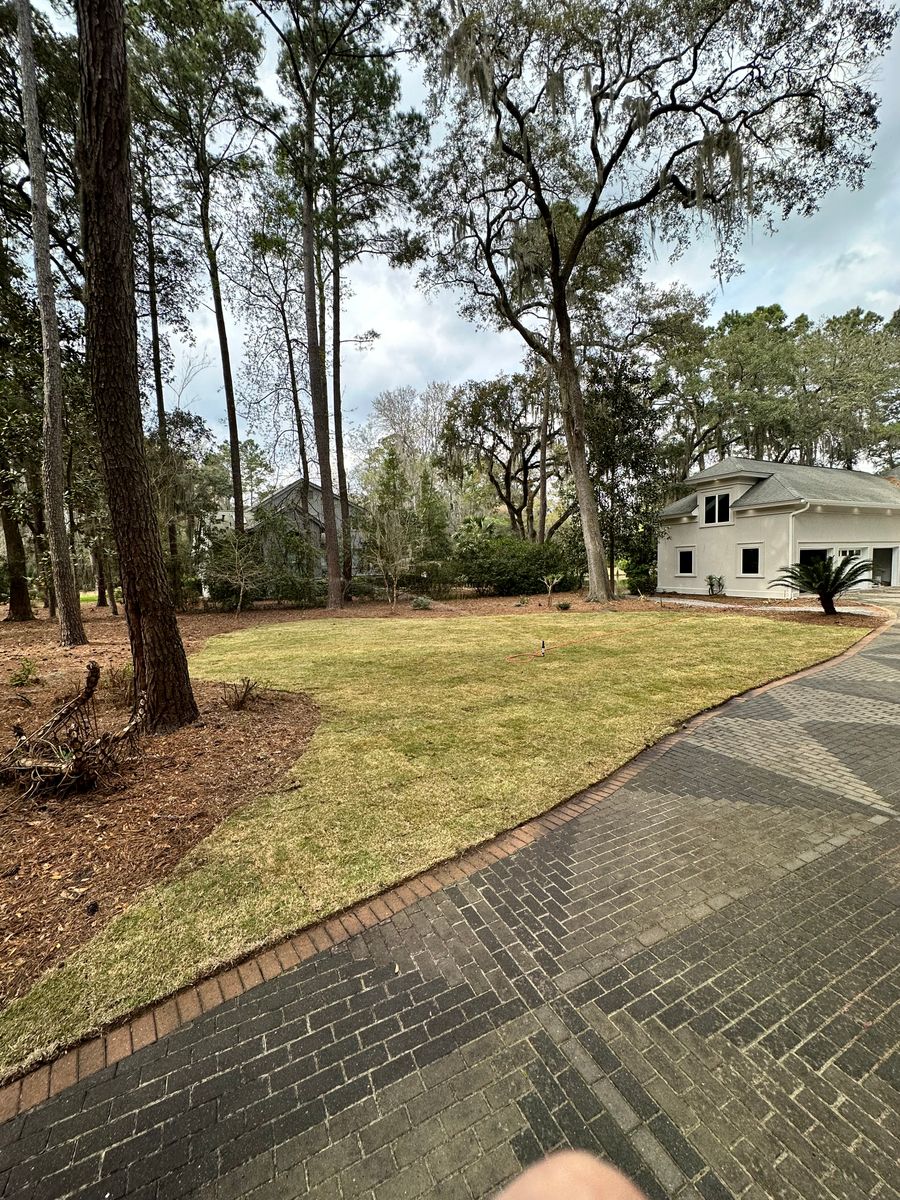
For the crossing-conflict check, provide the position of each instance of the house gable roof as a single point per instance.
(773, 490)
(682, 507)
(289, 497)
(784, 483)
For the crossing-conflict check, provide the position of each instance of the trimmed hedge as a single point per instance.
(510, 566)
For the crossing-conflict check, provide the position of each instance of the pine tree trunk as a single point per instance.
(70, 510)
(110, 574)
(320, 284)
(160, 664)
(234, 437)
(16, 563)
(343, 494)
(71, 626)
(39, 535)
(156, 354)
(314, 351)
(298, 418)
(100, 575)
(572, 406)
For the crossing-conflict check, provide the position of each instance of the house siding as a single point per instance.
(861, 530)
(717, 551)
(287, 502)
(717, 547)
(859, 512)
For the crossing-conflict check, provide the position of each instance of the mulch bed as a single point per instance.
(764, 601)
(69, 865)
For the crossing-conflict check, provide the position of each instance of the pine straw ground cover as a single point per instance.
(70, 864)
(433, 735)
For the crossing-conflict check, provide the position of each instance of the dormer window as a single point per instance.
(717, 509)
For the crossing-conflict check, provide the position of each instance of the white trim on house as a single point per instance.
(717, 495)
(692, 550)
(760, 572)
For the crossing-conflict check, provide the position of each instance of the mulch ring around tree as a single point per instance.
(69, 864)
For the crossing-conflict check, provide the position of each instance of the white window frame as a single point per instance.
(853, 552)
(758, 574)
(895, 559)
(716, 496)
(692, 574)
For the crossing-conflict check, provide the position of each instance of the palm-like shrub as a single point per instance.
(827, 578)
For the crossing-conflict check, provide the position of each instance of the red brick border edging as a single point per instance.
(87, 1057)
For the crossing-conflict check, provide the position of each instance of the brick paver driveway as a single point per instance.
(696, 979)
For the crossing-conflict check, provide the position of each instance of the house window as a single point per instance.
(717, 509)
(751, 560)
(857, 552)
(685, 560)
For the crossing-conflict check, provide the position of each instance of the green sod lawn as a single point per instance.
(431, 740)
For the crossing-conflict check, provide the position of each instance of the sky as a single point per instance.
(846, 255)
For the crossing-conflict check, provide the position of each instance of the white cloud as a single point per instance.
(421, 337)
(845, 255)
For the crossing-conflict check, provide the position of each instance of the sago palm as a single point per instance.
(827, 578)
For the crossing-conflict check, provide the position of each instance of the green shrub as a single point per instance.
(421, 602)
(364, 589)
(289, 586)
(191, 591)
(640, 576)
(435, 578)
(225, 595)
(564, 605)
(715, 585)
(234, 570)
(570, 542)
(511, 566)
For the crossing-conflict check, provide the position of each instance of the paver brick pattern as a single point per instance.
(696, 979)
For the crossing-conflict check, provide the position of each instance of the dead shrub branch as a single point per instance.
(68, 752)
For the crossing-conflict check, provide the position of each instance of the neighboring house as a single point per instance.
(745, 520)
(287, 500)
(223, 519)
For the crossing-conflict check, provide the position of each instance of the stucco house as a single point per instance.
(745, 520)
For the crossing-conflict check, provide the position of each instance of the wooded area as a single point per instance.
(249, 156)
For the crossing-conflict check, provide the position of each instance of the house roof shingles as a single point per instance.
(784, 483)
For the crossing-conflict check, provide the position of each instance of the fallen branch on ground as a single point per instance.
(68, 752)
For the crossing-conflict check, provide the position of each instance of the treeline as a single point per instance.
(665, 392)
(239, 202)
(258, 151)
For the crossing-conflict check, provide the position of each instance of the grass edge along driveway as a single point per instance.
(431, 740)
